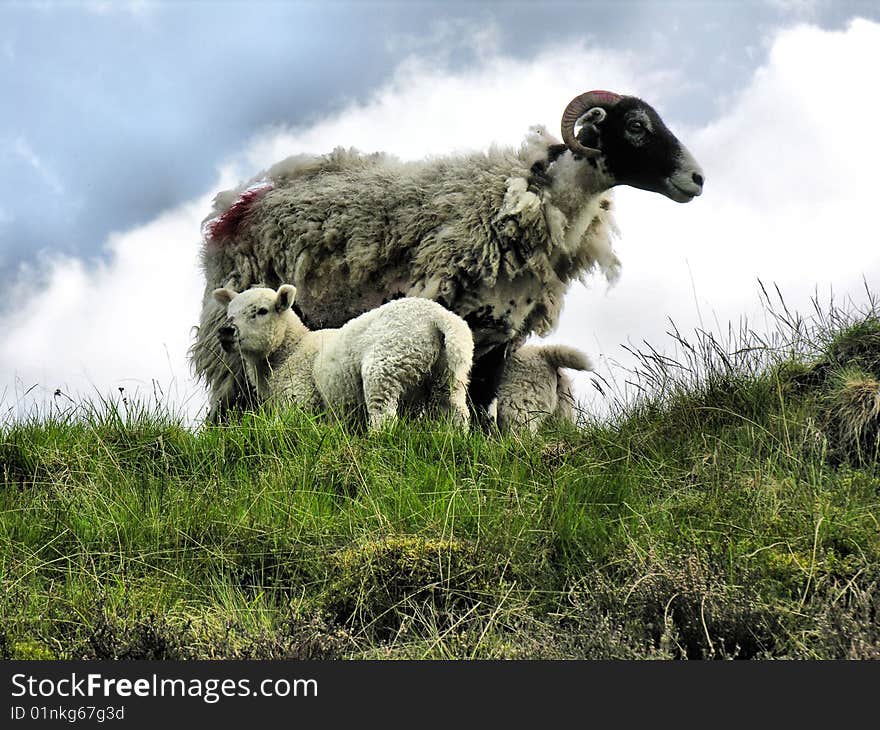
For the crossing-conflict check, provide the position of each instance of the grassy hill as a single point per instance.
(728, 507)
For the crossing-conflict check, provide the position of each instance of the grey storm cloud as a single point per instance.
(116, 112)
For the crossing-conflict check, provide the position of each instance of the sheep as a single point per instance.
(379, 361)
(495, 237)
(533, 388)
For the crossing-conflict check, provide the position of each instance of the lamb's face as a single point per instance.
(254, 319)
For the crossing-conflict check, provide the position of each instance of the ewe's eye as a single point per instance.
(635, 126)
(262, 311)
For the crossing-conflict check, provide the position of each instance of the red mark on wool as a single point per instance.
(227, 224)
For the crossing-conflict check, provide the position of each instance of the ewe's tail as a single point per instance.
(458, 347)
(562, 356)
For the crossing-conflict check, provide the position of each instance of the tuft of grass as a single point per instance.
(856, 344)
(852, 413)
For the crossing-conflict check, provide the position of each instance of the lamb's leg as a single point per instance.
(382, 405)
(382, 392)
(458, 406)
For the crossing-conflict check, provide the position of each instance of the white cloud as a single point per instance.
(791, 179)
(90, 329)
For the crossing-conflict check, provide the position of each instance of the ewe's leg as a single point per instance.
(485, 378)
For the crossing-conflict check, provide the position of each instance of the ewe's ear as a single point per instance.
(224, 295)
(284, 299)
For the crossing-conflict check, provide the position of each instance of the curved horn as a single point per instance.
(575, 110)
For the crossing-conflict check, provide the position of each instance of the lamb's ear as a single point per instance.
(224, 295)
(284, 299)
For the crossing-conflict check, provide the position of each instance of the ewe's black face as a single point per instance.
(639, 150)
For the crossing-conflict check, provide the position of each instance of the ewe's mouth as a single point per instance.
(681, 193)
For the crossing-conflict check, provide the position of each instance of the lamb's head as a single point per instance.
(624, 137)
(255, 319)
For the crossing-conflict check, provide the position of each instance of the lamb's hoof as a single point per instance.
(382, 424)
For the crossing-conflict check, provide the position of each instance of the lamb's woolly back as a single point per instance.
(534, 387)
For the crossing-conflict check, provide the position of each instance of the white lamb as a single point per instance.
(533, 388)
(387, 357)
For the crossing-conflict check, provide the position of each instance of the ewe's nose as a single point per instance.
(697, 178)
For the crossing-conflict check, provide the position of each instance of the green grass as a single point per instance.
(728, 506)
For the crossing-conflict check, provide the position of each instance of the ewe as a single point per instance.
(390, 356)
(495, 237)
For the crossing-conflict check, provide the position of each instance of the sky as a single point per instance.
(121, 121)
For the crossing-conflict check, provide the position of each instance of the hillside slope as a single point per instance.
(729, 508)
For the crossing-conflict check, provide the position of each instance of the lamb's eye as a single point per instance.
(262, 310)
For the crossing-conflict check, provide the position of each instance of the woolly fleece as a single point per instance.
(534, 389)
